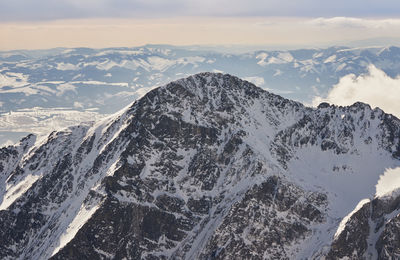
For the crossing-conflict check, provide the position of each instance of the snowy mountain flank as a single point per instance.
(207, 167)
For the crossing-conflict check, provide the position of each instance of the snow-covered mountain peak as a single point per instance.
(209, 166)
(210, 87)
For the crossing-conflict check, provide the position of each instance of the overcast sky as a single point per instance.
(26, 10)
(105, 23)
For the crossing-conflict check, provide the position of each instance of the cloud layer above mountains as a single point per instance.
(375, 88)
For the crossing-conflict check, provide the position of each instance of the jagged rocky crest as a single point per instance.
(207, 167)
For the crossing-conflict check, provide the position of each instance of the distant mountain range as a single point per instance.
(207, 167)
(86, 84)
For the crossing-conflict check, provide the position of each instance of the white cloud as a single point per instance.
(6, 143)
(375, 88)
(78, 104)
(67, 66)
(258, 81)
(351, 22)
(388, 182)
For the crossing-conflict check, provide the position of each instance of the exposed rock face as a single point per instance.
(208, 167)
(267, 222)
(371, 232)
(388, 245)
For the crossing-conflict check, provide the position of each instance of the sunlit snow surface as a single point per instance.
(342, 224)
(80, 219)
(388, 182)
(42, 121)
(352, 184)
(13, 192)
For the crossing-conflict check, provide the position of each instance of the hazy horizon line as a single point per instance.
(251, 32)
(231, 47)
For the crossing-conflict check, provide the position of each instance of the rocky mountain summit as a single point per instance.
(206, 167)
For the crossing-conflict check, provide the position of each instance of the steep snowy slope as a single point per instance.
(207, 167)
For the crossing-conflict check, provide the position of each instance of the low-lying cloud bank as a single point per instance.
(374, 88)
(352, 22)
